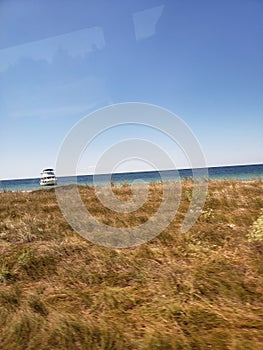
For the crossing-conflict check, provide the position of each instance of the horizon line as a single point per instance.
(140, 171)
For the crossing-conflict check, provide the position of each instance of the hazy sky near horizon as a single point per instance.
(61, 60)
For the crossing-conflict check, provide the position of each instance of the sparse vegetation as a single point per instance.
(199, 290)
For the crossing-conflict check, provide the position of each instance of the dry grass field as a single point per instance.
(199, 290)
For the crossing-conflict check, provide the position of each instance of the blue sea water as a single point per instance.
(236, 172)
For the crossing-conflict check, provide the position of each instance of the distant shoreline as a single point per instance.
(237, 172)
(50, 188)
(144, 171)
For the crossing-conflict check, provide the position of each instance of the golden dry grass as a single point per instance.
(198, 290)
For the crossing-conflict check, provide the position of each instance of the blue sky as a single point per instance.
(61, 60)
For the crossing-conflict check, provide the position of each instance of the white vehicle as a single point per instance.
(48, 178)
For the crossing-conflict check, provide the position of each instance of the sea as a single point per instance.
(235, 172)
